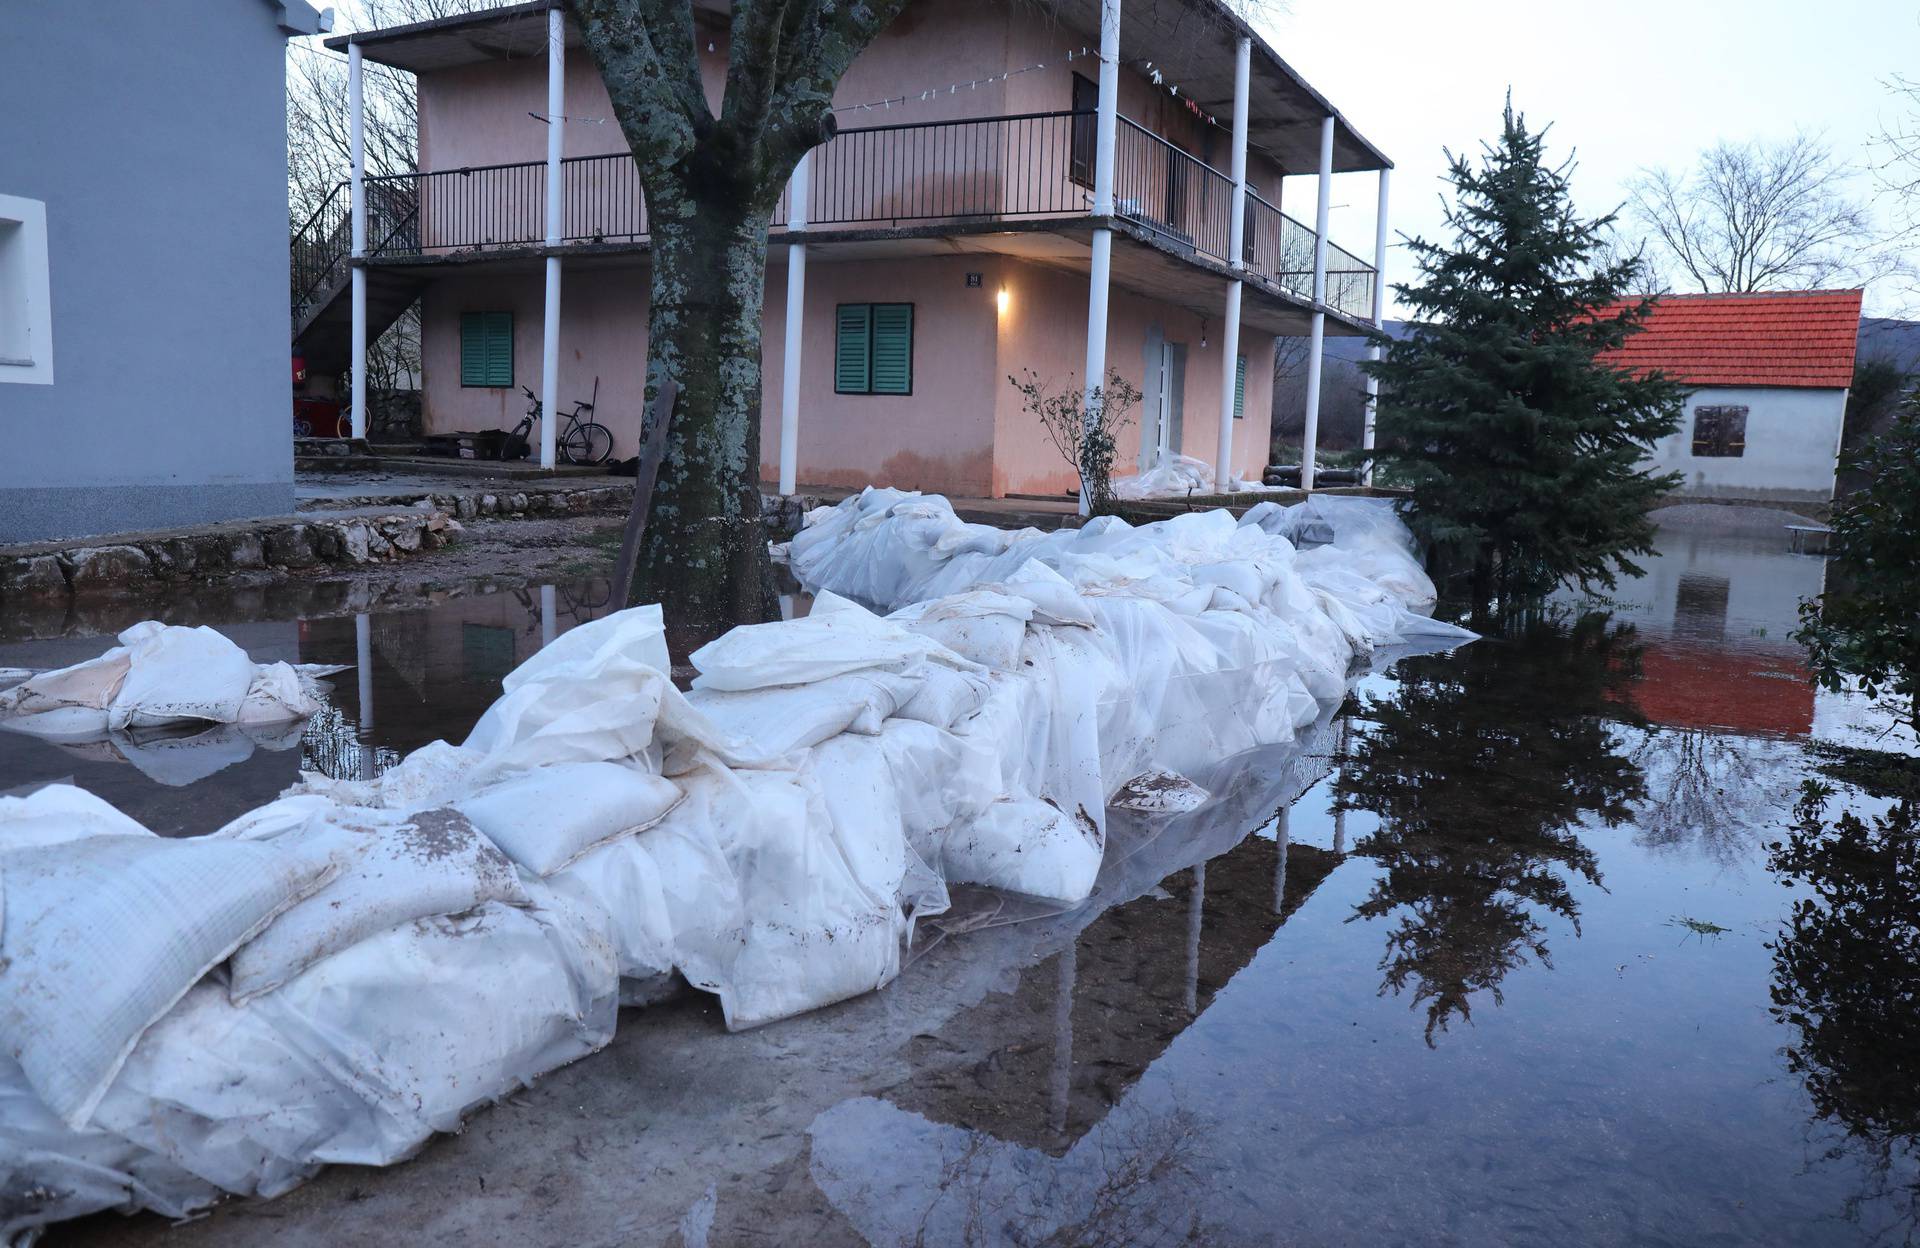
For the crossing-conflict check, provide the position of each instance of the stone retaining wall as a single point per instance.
(138, 565)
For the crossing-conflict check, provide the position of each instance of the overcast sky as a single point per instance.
(1625, 83)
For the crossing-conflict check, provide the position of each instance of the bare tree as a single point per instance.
(319, 150)
(1759, 216)
(711, 183)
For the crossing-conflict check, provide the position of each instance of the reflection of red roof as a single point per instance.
(1729, 690)
(1788, 338)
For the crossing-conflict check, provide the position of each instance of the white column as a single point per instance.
(1379, 313)
(1310, 442)
(357, 210)
(363, 662)
(1236, 249)
(797, 188)
(1106, 127)
(549, 618)
(556, 146)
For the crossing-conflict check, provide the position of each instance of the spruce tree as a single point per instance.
(1524, 451)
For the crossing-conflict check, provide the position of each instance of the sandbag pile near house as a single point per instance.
(340, 973)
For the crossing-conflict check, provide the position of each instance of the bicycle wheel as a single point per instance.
(587, 443)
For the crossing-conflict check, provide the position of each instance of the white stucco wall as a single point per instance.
(1793, 441)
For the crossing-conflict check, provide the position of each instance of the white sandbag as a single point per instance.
(68, 700)
(179, 674)
(50, 1173)
(398, 868)
(103, 935)
(1025, 845)
(1053, 597)
(835, 637)
(59, 813)
(769, 723)
(362, 1058)
(279, 692)
(601, 692)
(984, 626)
(548, 817)
(942, 696)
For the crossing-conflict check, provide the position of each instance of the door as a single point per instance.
(1086, 100)
(1168, 387)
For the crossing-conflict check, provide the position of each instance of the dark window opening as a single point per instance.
(1719, 432)
(1086, 100)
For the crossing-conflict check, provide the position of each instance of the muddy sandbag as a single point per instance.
(179, 674)
(102, 935)
(1025, 845)
(548, 817)
(397, 868)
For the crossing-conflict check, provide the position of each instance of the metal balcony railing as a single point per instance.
(1031, 165)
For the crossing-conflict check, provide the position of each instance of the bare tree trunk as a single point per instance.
(705, 556)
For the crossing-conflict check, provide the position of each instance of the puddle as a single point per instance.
(1512, 953)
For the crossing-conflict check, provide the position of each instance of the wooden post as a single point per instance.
(652, 451)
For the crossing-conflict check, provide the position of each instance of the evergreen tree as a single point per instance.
(1524, 450)
(1867, 623)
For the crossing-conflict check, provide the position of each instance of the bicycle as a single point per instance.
(582, 441)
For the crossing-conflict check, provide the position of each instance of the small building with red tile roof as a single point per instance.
(1770, 373)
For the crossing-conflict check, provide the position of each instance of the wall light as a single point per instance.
(1000, 300)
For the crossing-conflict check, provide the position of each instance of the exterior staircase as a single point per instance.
(322, 275)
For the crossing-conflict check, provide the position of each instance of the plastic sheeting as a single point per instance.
(789, 824)
(1176, 476)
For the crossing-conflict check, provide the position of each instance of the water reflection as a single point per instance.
(1481, 766)
(1846, 979)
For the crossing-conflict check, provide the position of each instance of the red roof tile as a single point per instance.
(1788, 338)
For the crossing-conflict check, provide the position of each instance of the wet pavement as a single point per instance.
(1534, 942)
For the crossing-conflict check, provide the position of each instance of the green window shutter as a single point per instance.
(853, 342)
(486, 349)
(499, 348)
(1239, 387)
(473, 349)
(893, 348)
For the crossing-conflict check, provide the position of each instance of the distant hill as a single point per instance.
(1884, 338)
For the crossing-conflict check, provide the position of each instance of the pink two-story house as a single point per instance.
(987, 207)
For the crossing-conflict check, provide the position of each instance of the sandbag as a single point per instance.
(836, 637)
(103, 935)
(942, 697)
(60, 813)
(398, 868)
(1025, 845)
(769, 723)
(179, 674)
(548, 817)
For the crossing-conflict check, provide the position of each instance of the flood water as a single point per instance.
(1527, 943)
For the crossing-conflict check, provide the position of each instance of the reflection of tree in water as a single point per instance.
(1705, 790)
(1846, 976)
(1478, 765)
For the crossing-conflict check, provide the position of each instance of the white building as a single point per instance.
(1770, 374)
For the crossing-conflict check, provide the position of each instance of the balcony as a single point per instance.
(1034, 167)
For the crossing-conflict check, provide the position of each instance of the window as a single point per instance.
(486, 348)
(1086, 99)
(1700, 606)
(1719, 432)
(26, 312)
(1239, 387)
(873, 349)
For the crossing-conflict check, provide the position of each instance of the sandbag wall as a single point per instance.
(339, 974)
